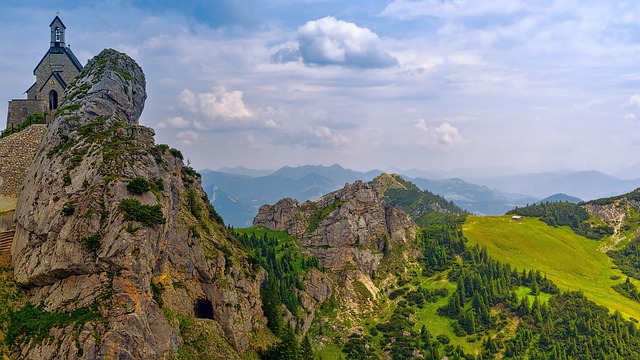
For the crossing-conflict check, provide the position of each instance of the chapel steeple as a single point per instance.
(57, 32)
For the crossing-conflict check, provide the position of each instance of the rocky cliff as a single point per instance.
(350, 231)
(111, 225)
(620, 213)
(352, 226)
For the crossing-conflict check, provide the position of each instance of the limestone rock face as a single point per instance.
(142, 267)
(352, 226)
(350, 231)
(286, 215)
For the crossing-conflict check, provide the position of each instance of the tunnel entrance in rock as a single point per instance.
(203, 309)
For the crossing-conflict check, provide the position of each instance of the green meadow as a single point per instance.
(571, 261)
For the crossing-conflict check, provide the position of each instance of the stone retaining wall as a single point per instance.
(19, 109)
(16, 154)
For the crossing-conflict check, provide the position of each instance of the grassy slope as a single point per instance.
(571, 261)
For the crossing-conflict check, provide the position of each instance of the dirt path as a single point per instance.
(7, 203)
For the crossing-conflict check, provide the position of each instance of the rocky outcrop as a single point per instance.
(351, 231)
(615, 214)
(352, 226)
(317, 289)
(143, 260)
(16, 153)
(286, 215)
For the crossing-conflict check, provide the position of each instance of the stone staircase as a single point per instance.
(6, 238)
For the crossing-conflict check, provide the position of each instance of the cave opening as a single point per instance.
(203, 309)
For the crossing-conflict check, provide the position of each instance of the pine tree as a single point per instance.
(306, 351)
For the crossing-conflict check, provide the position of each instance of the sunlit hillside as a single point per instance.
(573, 262)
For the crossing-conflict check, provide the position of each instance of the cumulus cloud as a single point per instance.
(634, 101)
(421, 125)
(325, 136)
(187, 137)
(217, 104)
(176, 122)
(443, 135)
(218, 109)
(329, 41)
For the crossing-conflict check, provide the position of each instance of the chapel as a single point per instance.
(57, 69)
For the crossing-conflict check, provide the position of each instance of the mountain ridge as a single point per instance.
(480, 197)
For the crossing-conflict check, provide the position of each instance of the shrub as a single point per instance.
(91, 243)
(177, 153)
(192, 204)
(443, 339)
(159, 183)
(162, 147)
(66, 179)
(138, 186)
(68, 208)
(148, 215)
(157, 290)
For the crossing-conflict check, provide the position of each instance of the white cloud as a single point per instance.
(421, 125)
(323, 136)
(630, 116)
(444, 135)
(634, 101)
(175, 122)
(329, 41)
(217, 104)
(448, 134)
(250, 138)
(219, 109)
(270, 123)
(187, 137)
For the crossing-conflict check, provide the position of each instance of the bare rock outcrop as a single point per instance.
(350, 231)
(352, 226)
(286, 215)
(139, 259)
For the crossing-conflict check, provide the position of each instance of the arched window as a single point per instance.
(57, 34)
(53, 100)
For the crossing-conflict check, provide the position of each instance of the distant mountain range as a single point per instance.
(561, 198)
(587, 185)
(477, 199)
(238, 197)
(238, 192)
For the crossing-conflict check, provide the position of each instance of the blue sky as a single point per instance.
(499, 86)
